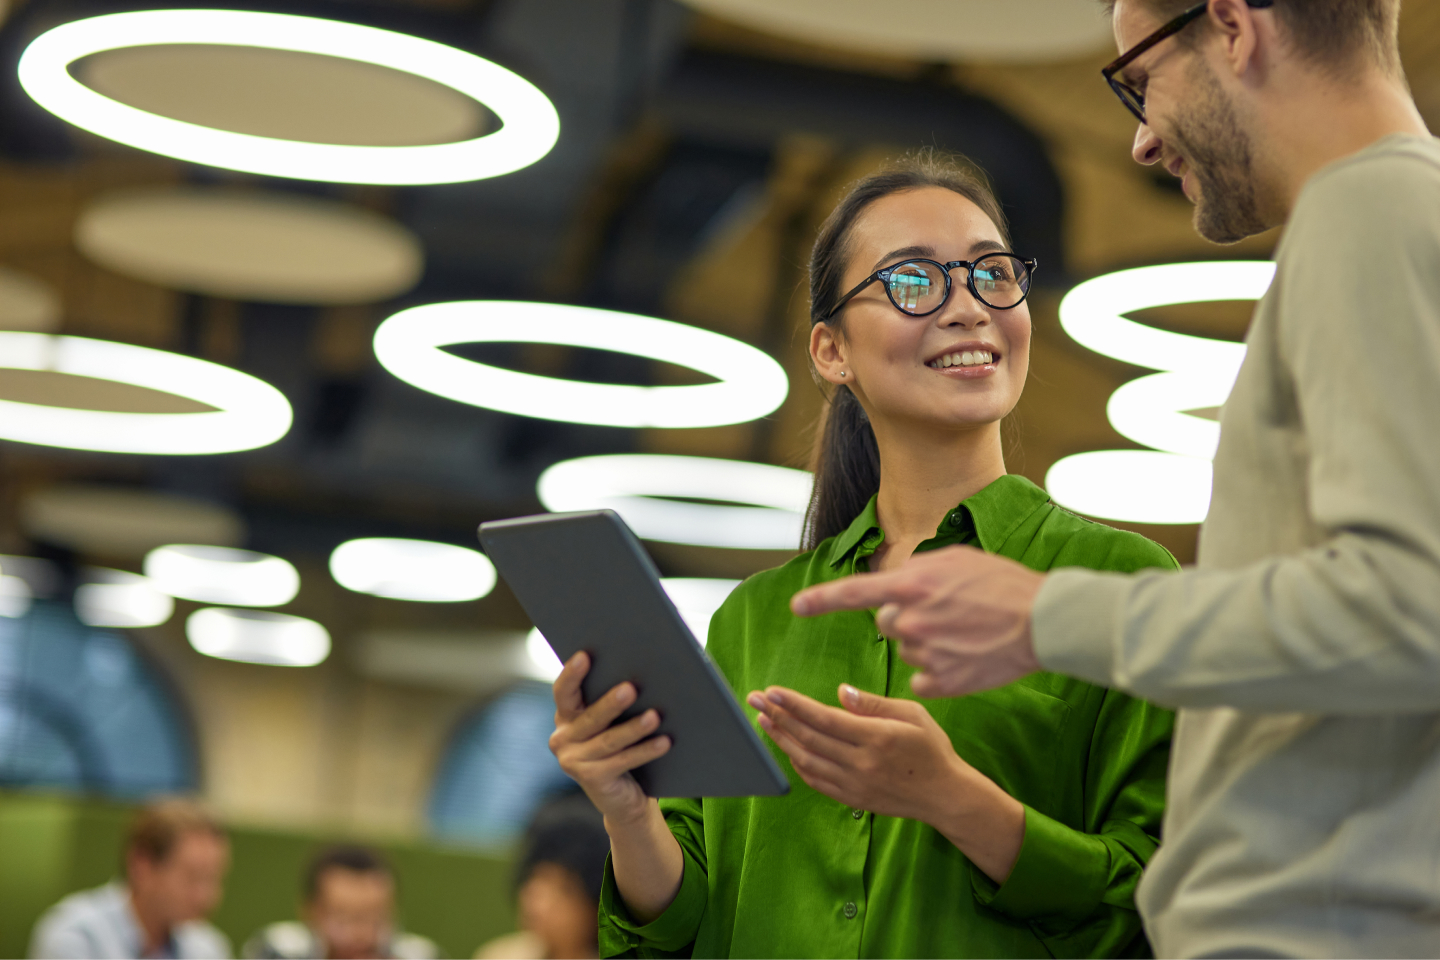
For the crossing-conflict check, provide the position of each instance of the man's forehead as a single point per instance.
(1132, 22)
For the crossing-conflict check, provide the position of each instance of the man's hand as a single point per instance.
(890, 757)
(961, 615)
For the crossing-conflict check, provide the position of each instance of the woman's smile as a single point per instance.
(966, 361)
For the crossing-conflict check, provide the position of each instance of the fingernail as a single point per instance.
(756, 701)
(775, 696)
(765, 723)
(849, 695)
(800, 605)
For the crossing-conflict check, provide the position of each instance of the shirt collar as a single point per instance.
(996, 511)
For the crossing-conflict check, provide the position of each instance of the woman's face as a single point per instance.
(894, 362)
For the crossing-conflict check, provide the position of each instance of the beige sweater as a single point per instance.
(1304, 794)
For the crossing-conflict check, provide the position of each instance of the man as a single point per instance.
(176, 858)
(1304, 799)
(348, 911)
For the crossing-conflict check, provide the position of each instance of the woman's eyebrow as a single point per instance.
(986, 246)
(893, 255)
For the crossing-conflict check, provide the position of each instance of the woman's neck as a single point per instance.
(923, 476)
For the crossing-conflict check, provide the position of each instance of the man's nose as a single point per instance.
(1146, 150)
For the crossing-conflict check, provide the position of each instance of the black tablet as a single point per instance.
(588, 585)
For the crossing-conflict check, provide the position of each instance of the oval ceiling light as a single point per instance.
(530, 125)
(930, 30)
(248, 412)
(695, 598)
(409, 344)
(260, 245)
(649, 492)
(421, 570)
(1172, 482)
(257, 636)
(115, 598)
(222, 575)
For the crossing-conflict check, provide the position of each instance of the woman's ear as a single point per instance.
(827, 352)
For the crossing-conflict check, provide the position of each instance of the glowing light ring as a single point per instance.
(408, 344)
(250, 413)
(222, 575)
(257, 636)
(418, 570)
(531, 125)
(635, 485)
(1172, 483)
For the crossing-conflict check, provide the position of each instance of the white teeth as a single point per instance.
(965, 358)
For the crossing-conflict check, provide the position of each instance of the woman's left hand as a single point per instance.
(890, 757)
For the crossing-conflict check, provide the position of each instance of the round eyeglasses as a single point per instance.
(920, 287)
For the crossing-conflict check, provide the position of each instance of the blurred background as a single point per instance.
(700, 145)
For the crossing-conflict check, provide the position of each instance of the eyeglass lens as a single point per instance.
(919, 287)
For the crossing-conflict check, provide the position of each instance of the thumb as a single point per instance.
(866, 704)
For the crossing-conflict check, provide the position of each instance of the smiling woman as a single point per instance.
(1013, 823)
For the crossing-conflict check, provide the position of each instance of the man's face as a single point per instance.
(352, 912)
(1194, 128)
(187, 884)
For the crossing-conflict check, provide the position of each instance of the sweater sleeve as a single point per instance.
(671, 933)
(1350, 625)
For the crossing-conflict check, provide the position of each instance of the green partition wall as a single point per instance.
(51, 845)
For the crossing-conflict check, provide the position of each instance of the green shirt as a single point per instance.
(803, 876)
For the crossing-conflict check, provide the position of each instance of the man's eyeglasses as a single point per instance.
(920, 287)
(1133, 99)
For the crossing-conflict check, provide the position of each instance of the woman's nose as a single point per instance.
(1146, 149)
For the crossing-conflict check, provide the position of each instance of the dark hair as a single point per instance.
(345, 857)
(157, 827)
(1332, 34)
(847, 460)
(568, 832)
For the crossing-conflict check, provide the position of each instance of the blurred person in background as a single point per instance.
(348, 913)
(175, 861)
(557, 885)
(1016, 823)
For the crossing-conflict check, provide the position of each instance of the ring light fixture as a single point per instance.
(1170, 483)
(222, 575)
(116, 598)
(650, 493)
(695, 598)
(249, 412)
(421, 570)
(409, 344)
(257, 636)
(530, 123)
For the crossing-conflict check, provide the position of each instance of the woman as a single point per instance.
(1010, 823)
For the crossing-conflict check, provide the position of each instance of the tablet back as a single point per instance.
(588, 585)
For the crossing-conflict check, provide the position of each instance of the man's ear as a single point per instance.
(827, 352)
(1239, 29)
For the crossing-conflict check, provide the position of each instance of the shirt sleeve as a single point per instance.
(1076, 887)
(1352, 625)
(671, 933)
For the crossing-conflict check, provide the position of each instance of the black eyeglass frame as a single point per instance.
(1133, 99)
(885, 273)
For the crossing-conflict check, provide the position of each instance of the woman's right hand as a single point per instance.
(598, 756)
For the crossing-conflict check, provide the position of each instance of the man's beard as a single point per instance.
(1211, 138)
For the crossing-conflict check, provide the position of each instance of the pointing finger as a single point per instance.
(859, 592)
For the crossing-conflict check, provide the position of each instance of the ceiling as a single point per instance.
(697, 157)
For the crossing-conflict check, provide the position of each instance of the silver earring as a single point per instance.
(842, 373)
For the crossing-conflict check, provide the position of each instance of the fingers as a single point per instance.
(598, 715)
(569, 702)
(806, 762)
(860, 592)
(833, 723)
(865, 704)
(627, 760)
(615, 739)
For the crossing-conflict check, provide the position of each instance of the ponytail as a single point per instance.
(847, 458)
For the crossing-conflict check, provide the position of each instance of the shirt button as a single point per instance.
(857, 814)
(955, 519)
(851, 910)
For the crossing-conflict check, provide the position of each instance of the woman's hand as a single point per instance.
(646, 858)
(594, 754)
(890, 757)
